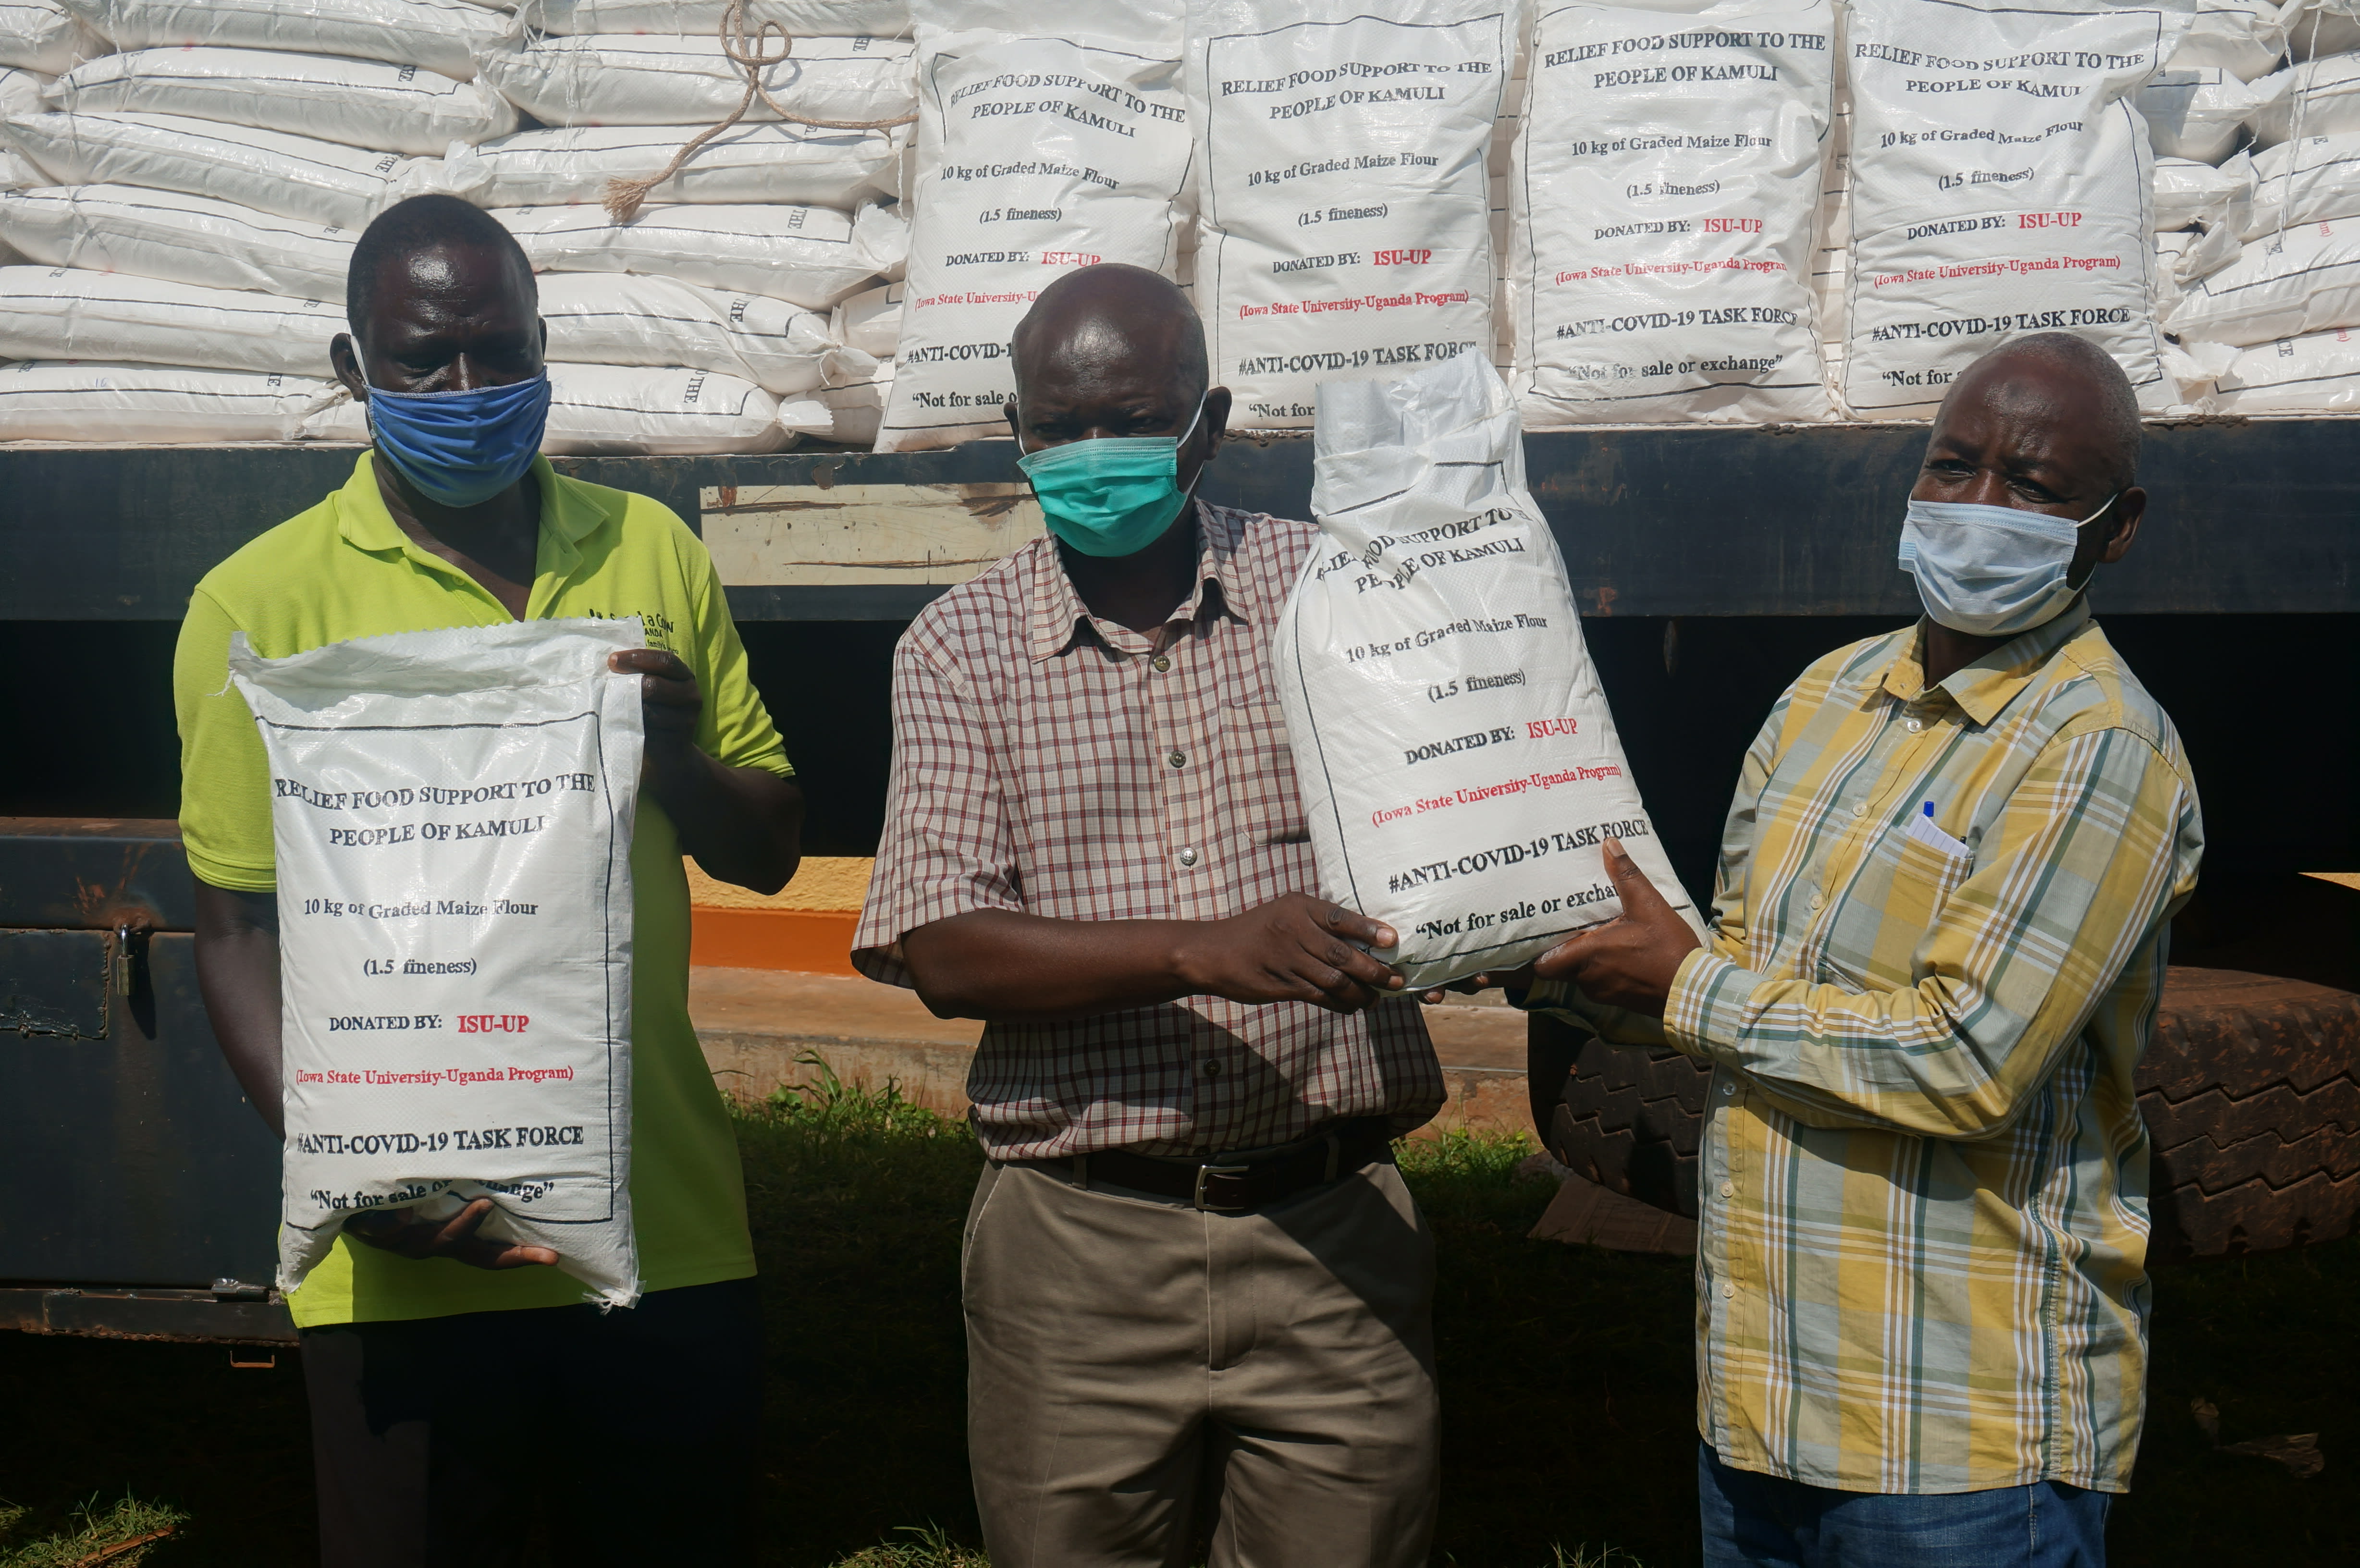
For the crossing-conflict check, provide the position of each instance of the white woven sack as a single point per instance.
(190, 239)
(2200, 113)
(271, 171)
(44, 37)
(608, 79)
(2305, 181)
(1020, 181)
(2317, 98)
(816, 18)
(20, 91)
(2318, 374)
(870, 320)
(1458, 761)
(2247, 37)
(17, 173)
(810, 257)
(1662, 223)
(2282, 285)
(2187, 191)
(745, 163)
(1380, 126)
(360, 103)
(857, 408)
(153, 404)
(62, 312)
(441, 34)
(612, 318)
(627, 411)
(453, 814)
(1977, 215)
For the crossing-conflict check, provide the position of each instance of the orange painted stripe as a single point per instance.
(810, 942)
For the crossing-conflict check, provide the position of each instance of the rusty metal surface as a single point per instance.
(147, 1314)
(135, 1160)
(55, 983)
(78, 874)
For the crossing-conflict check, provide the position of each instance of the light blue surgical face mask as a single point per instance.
(1991, 570)
(1110, 497)
(461, 449)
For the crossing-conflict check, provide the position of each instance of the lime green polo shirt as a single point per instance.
(346, 570)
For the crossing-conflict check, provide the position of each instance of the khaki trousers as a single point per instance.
(1140, 1372)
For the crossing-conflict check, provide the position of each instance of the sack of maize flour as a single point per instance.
(271, 171)
(360, 103)
(155, 405)
(1343, 190)
(66, 312)
(1664, 219)
(816, 18)
(1458, 766)
(39, 35)
(440, 35)
(2000, 185)
(452, 816)
(774, 162)
(666, 78)
(191, 239)
(1019, 182)
(810, 257)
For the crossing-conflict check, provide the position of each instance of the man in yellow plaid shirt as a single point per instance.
(1938, 944)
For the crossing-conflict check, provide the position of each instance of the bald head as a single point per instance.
(1112, 320)
(2058, 378)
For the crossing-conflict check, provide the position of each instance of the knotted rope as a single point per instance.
(749, 52)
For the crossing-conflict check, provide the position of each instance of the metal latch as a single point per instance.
(130, 958)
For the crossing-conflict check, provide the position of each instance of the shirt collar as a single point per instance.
(1060, 618)
(567, 516)
(1984, 688)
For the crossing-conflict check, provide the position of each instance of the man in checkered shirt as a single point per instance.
(1197, 1294)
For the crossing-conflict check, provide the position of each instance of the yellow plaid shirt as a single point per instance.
(1921, 1263)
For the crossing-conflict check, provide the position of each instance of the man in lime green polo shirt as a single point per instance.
(456, 1381)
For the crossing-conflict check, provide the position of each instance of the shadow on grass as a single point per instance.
(1568, 1400)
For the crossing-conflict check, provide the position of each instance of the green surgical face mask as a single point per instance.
(1110, 497)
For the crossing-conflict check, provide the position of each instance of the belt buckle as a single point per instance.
(1205, 1170)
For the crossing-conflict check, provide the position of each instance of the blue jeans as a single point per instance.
(1764, 1521)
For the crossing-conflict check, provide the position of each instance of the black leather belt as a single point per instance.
(1228, 1184)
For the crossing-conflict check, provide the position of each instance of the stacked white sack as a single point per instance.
(2288, 284)
(686, 79)
(2205, 212)
(1664, 215)
(20, 93)
(38, 35)
(58, 312)
(438, 35)
(1342, 190)
(874, 19)
(148, 404)
(2204, 112)
(2316, 374)
(191, 239)
(2307, 182)
(1979, 215)
(781, 210)
(1019, 182)
(360, 103)
(270, 172)
(572, 165)
(2247, 37)
(2318, 98)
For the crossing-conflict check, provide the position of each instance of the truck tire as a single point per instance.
(2250, 1088)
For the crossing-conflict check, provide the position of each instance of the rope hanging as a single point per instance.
(748, 52)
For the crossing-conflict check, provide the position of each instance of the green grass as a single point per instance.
(117, 1534)
(1569, 1392)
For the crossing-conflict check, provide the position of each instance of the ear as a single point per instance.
(1009, 409)
(344, 354)
(2129, 508)
(1217, 420)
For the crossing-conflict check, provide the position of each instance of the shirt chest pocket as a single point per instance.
(1258, 786)
(1891, 907)
(1928, 866)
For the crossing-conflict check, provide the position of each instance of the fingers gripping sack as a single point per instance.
(1458, 766)
(452, 815)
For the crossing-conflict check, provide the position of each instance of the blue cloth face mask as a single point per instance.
(1990, 571)
(1110, 497)
(461, 449)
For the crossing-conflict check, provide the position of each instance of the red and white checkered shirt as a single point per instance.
(1053, 763)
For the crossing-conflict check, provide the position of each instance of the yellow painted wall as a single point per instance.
(824, 883)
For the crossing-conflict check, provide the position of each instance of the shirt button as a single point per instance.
(1177, 759)
(1187, 856)
(1727, 1289)
(1860, 807)
(1729, 1088)
(1210, 1067)
(1916, 724)
(1815, 899)
(1728, 1189)
(1162, 664)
